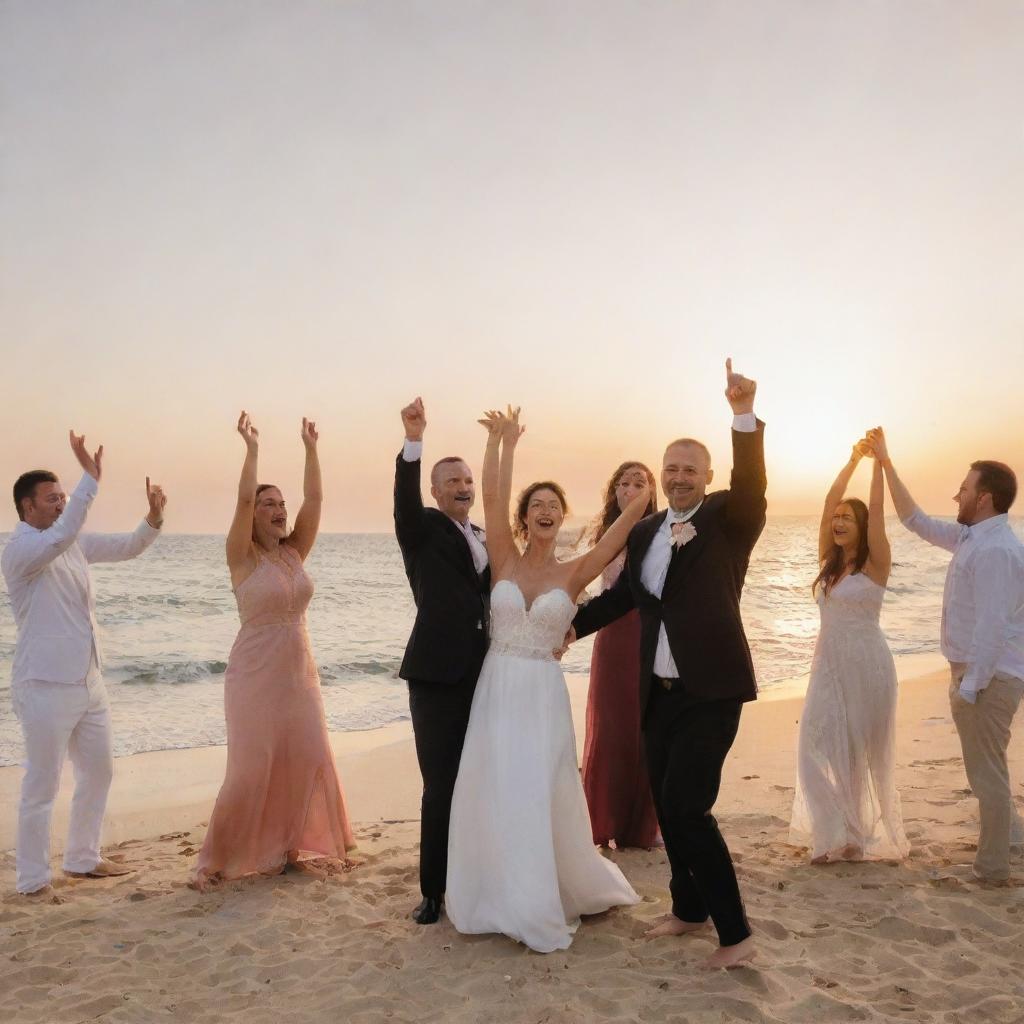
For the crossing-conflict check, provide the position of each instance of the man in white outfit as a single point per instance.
(56, 685)
(982, 637)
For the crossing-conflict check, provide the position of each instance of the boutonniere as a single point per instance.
(682, 533)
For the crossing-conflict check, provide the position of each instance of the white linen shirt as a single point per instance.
(983, 599)
(412, 451)
(654, 569)
(47, 575)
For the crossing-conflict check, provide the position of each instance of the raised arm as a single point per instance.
(879, 552)
(307, 522)
(503, 433)
(239, 543)
(835, 496)
(119, 547)
(28, 553)
(745, 505)
(408, 507)
(943, 535)
(588, 566)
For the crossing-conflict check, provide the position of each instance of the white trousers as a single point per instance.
(59, 719)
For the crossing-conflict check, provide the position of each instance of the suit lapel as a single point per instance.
(645, 533)
(685, 556)
(462, 545)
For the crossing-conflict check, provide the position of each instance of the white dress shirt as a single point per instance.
(654, 569)
(412, 451)
(47, 574)
(983, 599)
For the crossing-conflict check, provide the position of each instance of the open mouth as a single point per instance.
(279, 521)
(545, 523)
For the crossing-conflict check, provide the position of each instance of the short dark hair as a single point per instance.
(691, 442)
(260, 488)
(998, 480)
(25, 486)
(443, 462)
(523, 502)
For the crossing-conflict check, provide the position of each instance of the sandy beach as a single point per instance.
(919, 941)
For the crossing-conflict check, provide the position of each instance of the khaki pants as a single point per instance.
(984, 729)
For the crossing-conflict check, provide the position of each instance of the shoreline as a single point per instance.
(163, 791)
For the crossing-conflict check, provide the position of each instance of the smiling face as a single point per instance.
(845, 531)
(452, 487)
(544, 514)
(972, 505)
(44, 506)
(685, 474)
(270, 516)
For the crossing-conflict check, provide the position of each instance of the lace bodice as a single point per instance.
(855, 601)
(275, 591)
(533, 632)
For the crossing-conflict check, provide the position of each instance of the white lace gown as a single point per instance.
(521, 858)
(846, 791)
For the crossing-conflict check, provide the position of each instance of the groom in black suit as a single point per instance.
(446, 562)
(685, 570)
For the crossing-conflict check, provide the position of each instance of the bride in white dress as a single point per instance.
(521, 858)
(847, 806)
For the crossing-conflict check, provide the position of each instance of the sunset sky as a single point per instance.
(327, 208)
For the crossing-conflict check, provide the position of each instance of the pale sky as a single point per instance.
(327, 208)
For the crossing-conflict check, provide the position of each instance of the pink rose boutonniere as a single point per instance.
(682, 533)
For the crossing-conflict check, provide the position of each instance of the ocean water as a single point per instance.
(168, 620)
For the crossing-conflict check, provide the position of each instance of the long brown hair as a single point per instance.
(610, 510)
(519, 530)
(835, 560)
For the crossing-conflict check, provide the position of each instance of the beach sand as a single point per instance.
(919, 941)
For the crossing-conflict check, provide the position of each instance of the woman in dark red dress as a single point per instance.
(614, 771)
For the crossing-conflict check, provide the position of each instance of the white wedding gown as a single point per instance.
(846, 790)
(521, 858)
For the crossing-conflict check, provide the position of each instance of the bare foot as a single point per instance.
(822, 858)
(851, 852)
(731, 956)
(671, 925)
(104, 869)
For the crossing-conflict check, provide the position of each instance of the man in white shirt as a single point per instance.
(56, 686)
(982, 637)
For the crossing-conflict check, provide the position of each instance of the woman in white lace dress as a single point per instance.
(521, 860)
(846, 805)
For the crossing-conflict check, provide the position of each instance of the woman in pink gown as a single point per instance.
(614, 770)
(281, 800)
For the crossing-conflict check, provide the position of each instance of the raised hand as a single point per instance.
(879, 447)
(157, 503)
(310, 435)
(92, 464)
(250, 435)
(414, 419)
(861, 450)
(511, 430)
(493, 421)
(739, 390)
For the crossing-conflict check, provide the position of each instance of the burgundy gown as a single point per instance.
(614, 767)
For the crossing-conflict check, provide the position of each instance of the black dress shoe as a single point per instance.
(428, 911)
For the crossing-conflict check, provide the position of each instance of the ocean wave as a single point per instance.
(188, 671)
(348, 671)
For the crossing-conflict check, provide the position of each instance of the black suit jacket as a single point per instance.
(449, 638)
(700, 602)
